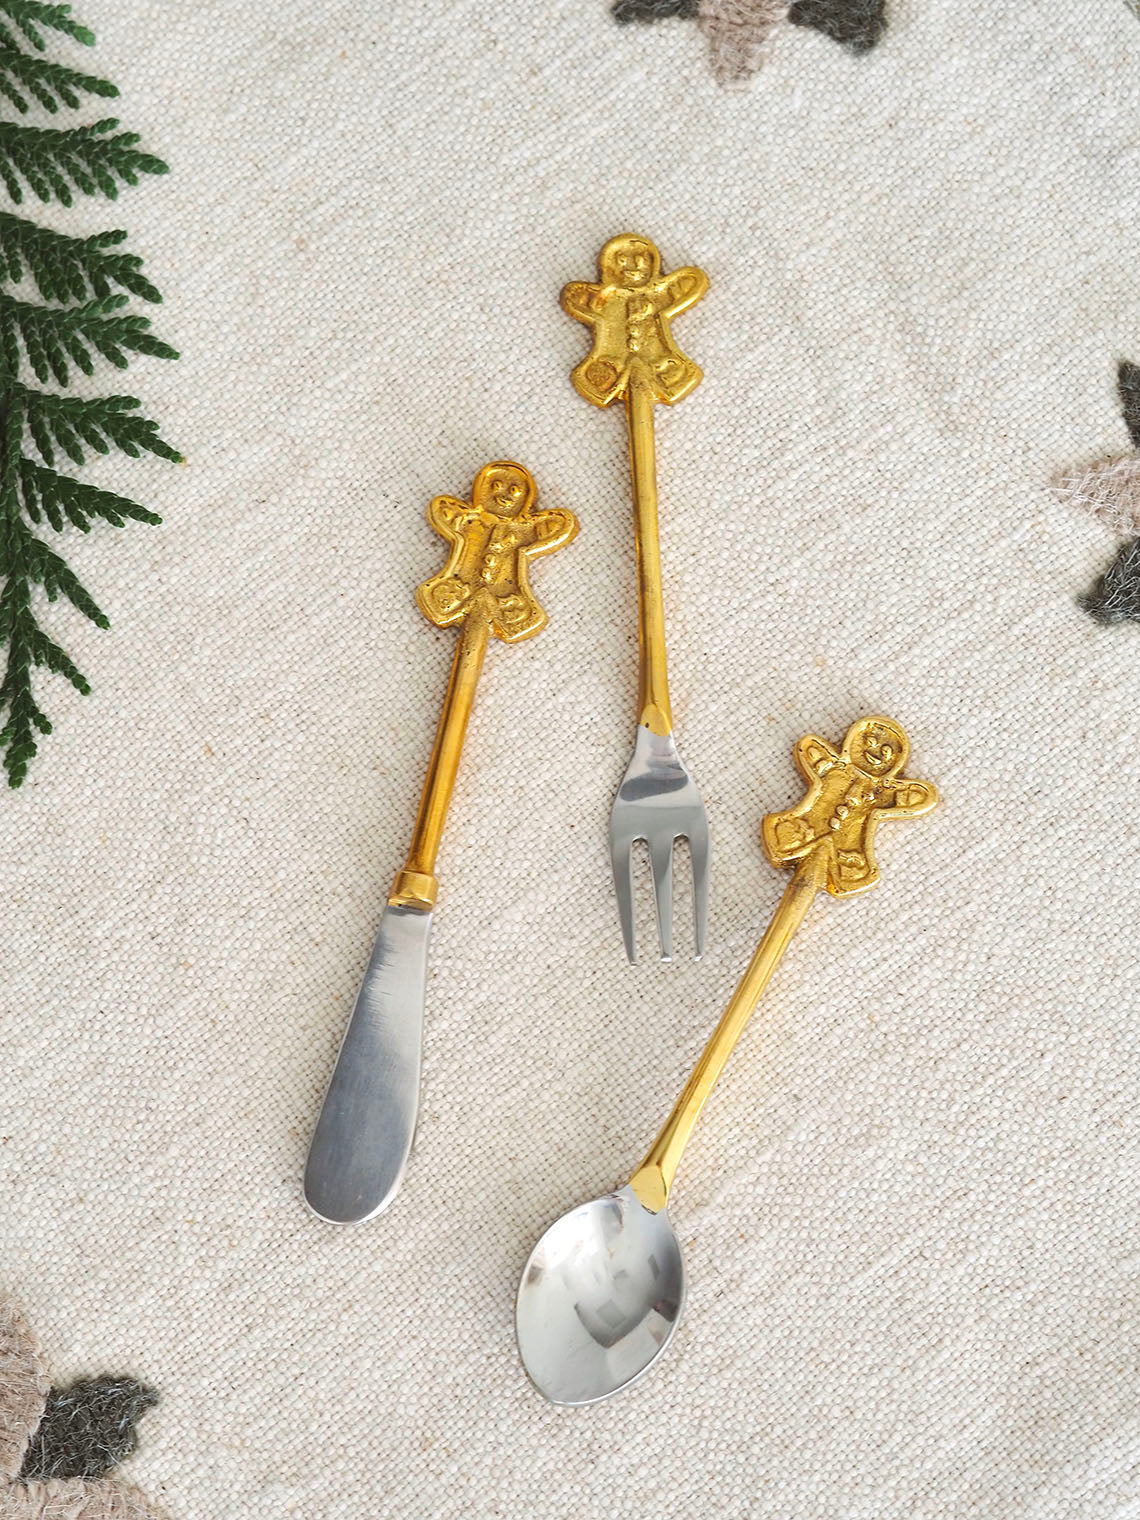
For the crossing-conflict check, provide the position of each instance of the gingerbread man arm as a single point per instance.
(855, 869)
(552, 529)
(814, 757)
(682, 289)
(448, 515)
(582, 301)
(909, 799)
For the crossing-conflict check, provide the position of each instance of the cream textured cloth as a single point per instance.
(909, 1212)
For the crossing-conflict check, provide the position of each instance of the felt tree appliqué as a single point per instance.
(58, 1445)
(1110, 490)
(62, 303)
(741, 33)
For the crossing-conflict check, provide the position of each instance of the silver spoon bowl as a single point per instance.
(599, 1298)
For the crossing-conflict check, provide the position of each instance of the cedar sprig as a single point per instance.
(46, 569)
(51, 160)
(68, 268)
(46, 495)
(87, 283)
(103, 423)
(29, 646)
(51, 84)
(29, 15)
(55, 337)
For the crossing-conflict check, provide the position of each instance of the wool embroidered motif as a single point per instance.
(1109, 489)
(741, 33)
(57, 1445)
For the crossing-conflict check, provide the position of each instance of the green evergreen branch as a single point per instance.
(51, 160)
(46, 569)
(69, 268)
(29, 15)
(18, 736)
(61, 500)
(102, 422)
(53, 335)
(52, 84)
(27, 563)
(89, 280)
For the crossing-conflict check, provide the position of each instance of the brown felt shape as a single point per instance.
(76, 1499)
(740, 35)
(1108, 490)
(23, 1388)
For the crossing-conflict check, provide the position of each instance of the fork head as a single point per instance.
(658, 802)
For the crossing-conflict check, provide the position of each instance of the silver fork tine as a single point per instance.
(661, 859)
(699, 856)
(657, 802)
(621, 852)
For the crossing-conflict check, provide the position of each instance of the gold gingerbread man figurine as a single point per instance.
(630, 311)
(492, 538)
(848, 794)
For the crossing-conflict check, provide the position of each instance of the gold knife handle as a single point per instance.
(415, 885)
(485, 587)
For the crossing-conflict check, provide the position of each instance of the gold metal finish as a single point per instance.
(415, 885)
(635, 357)
(828, 837)
(484, 586)
(654, 709)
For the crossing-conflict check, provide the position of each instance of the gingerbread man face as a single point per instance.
(630, 261)
(877, 746)
(505, 489)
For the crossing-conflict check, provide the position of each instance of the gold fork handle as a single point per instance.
(653, 696)
(415, 885)
(654, 1177)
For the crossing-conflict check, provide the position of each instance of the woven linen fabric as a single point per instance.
(908, 1212)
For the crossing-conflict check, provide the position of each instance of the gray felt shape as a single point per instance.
(858, 24)
(87, 1428)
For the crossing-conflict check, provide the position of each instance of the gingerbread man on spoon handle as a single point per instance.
(602, 1292)
(635, 358)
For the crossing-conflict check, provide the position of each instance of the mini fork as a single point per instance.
(635, 358)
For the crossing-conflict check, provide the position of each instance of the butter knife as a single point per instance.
(360, 1148)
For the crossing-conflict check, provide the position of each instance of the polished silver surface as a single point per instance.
(658, 802)
(599, 1299)
(364, 1134)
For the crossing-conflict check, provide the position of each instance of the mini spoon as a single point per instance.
(602, 1292)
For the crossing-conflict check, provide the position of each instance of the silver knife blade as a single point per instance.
(364, 1134)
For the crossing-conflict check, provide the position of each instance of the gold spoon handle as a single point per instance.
(829, 838)
(655, 712)
(415, 885)
(654, 1177)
